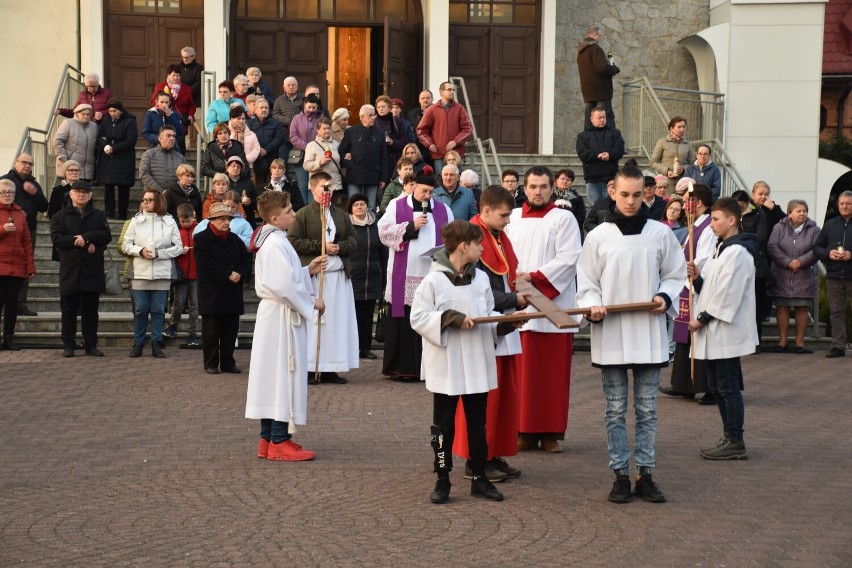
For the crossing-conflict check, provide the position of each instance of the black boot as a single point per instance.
(620, 492)
(157, 350)
(137, 350)
(646, 488)
(441, 494)
(481, 487)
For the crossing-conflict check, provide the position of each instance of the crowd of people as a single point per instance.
(333, 221)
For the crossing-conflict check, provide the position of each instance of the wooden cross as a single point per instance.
(545, 305)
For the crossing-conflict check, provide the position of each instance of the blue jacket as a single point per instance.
(219, 111)
(239, 227)
(462, 202)
(154, 121)
(709, 176)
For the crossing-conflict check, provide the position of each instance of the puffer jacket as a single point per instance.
(783, 247)
(75, 140)
(149, 230)
(16, 254)
(119, 168)
(369, 260)
(754, 222)
(158, 168)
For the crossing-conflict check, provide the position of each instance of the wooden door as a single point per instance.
(281, 49)
(402, 62)
(514, 89)
(139, 47)
(500, 67)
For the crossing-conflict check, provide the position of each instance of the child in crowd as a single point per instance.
(239, 226)
(459, 360)
(725, 329)
(185, 288)
(277, 387)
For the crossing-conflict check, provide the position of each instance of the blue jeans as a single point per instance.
(369, 190)
(723, 380)
(302, 179)
(274, 431)
(645, 383)
(595, 190)
(148, 302)
(438, 166)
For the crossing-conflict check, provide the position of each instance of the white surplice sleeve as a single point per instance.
(425, 315)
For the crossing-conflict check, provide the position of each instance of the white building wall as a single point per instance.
(773, 94)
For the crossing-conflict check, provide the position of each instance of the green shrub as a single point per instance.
(839, 150)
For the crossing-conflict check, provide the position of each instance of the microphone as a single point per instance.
(425, 206)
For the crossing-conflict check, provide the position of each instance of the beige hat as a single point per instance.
(219, 210)
(81, 107)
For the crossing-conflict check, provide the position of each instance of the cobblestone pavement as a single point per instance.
(144, 462)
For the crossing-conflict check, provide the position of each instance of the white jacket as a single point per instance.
(148, 230)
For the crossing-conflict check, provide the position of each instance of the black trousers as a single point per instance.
(87, 304)
(10, 286)
(218, 334)
(123, 200)
(25, 285)
(364, 317)
(444, 430)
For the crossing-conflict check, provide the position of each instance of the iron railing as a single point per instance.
(38, 142)
(483, 147)
(208, 95)
(648, 109)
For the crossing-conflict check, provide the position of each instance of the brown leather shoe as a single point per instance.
(526, 444)
(550, 446)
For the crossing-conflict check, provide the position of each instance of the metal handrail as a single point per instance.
(732, 180)
(46, 157)
(208, 93)
(480, 144)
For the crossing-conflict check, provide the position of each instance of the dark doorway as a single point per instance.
(141, 41)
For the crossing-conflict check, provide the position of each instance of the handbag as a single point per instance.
(380, 323)
(112, 277)
(295, 157)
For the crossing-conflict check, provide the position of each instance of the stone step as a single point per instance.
(119, 304)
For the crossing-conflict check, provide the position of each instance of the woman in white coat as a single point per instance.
(153, 240)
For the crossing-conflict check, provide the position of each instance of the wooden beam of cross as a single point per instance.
(545, 305)
(524, 316)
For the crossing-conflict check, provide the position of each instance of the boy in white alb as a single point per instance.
(725, 328)
(277, 386)
(458, 356)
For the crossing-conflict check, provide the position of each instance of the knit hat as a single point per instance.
(235, 159)
(683, 184)
(116, 104)
(82, 107)
(339, 114)
(219, 210)
(426, 176)
(398, 102)
(70, 163)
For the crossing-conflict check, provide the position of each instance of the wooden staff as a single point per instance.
(690, 220)
(325, 203)
(523, 316)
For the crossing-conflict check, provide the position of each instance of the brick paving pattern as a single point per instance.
(143, 462)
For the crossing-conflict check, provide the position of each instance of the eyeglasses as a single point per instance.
(148, 200)
(7, 193)
(23, 163)
(72, 170)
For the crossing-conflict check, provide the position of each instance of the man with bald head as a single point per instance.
(285, 108)
(458, 198)
(30, 197)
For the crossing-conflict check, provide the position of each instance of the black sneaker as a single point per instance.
(648, 490)
(441, 494)
(136, 351)
(94, 352)
(481, 487)
(68, 352)
(835, 352)
(502, 465)
(730, 449)
(491, 473)
(621, 490)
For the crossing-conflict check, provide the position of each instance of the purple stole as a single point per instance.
(681, 326)
(405, 214)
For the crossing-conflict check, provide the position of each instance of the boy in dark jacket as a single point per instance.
(185, 288)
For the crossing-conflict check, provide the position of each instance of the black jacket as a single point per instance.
(175, 195)
(593, 141)
(213, 161)
(755, 222)
(836, 231)
(270, 136)
(120, 167)
(368, 260)
(190, 74)
(216, 259)
(31, 204)
(369, 163)
(80, 270)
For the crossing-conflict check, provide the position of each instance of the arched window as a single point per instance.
(361, 11)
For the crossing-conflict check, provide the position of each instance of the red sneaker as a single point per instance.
(262, 448)
(289, 451)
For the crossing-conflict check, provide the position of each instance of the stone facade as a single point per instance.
(642, 37)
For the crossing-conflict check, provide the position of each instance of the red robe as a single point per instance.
(501, 420)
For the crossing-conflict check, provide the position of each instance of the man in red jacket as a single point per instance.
(445, 126)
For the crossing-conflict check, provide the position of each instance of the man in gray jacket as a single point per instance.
(157, 168)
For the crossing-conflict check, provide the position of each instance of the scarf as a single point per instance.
(225, 148)
(223, 235)
(528, 211)
(627, 225)
(497, 252)
(368, 220)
